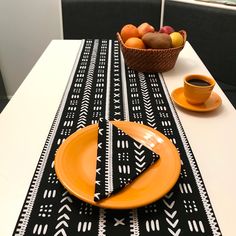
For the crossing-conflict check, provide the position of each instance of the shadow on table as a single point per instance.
(208, 114)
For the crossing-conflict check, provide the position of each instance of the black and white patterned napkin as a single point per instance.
(120, 159)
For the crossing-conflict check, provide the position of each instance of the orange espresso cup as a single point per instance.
(198, 88)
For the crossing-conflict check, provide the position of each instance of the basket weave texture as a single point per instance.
(151, 60)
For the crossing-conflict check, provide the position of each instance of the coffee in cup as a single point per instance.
(198, 88)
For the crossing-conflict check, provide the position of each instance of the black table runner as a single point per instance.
(102, 86)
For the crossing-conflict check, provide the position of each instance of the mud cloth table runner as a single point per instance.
(102, 86)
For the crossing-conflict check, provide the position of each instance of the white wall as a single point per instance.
(26, 28)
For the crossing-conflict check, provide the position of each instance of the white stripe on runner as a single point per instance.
(107, 116)
(124, 88)
(109, 147)
(134, 223)
(102, 212)
(110, 161)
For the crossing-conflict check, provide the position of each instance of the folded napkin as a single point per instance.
(120, 159)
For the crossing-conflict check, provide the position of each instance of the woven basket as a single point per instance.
(151, 60)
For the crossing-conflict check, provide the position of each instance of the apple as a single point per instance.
(166, 29)
(176, 39)
(145, 28)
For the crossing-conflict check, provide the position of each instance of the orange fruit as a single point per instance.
(129, 31)
(135, 42)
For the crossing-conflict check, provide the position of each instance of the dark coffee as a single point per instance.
(198, 82)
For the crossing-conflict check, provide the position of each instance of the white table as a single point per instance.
(211, 135)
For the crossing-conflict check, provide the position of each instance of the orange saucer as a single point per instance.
(211, 104)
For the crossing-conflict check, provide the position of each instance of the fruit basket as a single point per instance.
(151, 60)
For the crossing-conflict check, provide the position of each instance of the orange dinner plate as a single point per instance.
(213, 102)
(75, 165)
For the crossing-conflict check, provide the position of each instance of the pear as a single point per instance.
(157, 40)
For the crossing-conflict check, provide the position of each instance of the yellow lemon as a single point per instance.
(177, 39)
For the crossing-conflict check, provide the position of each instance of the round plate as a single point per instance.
(75, 165)
(211, 104)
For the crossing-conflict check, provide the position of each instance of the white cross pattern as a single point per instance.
(119, 222)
